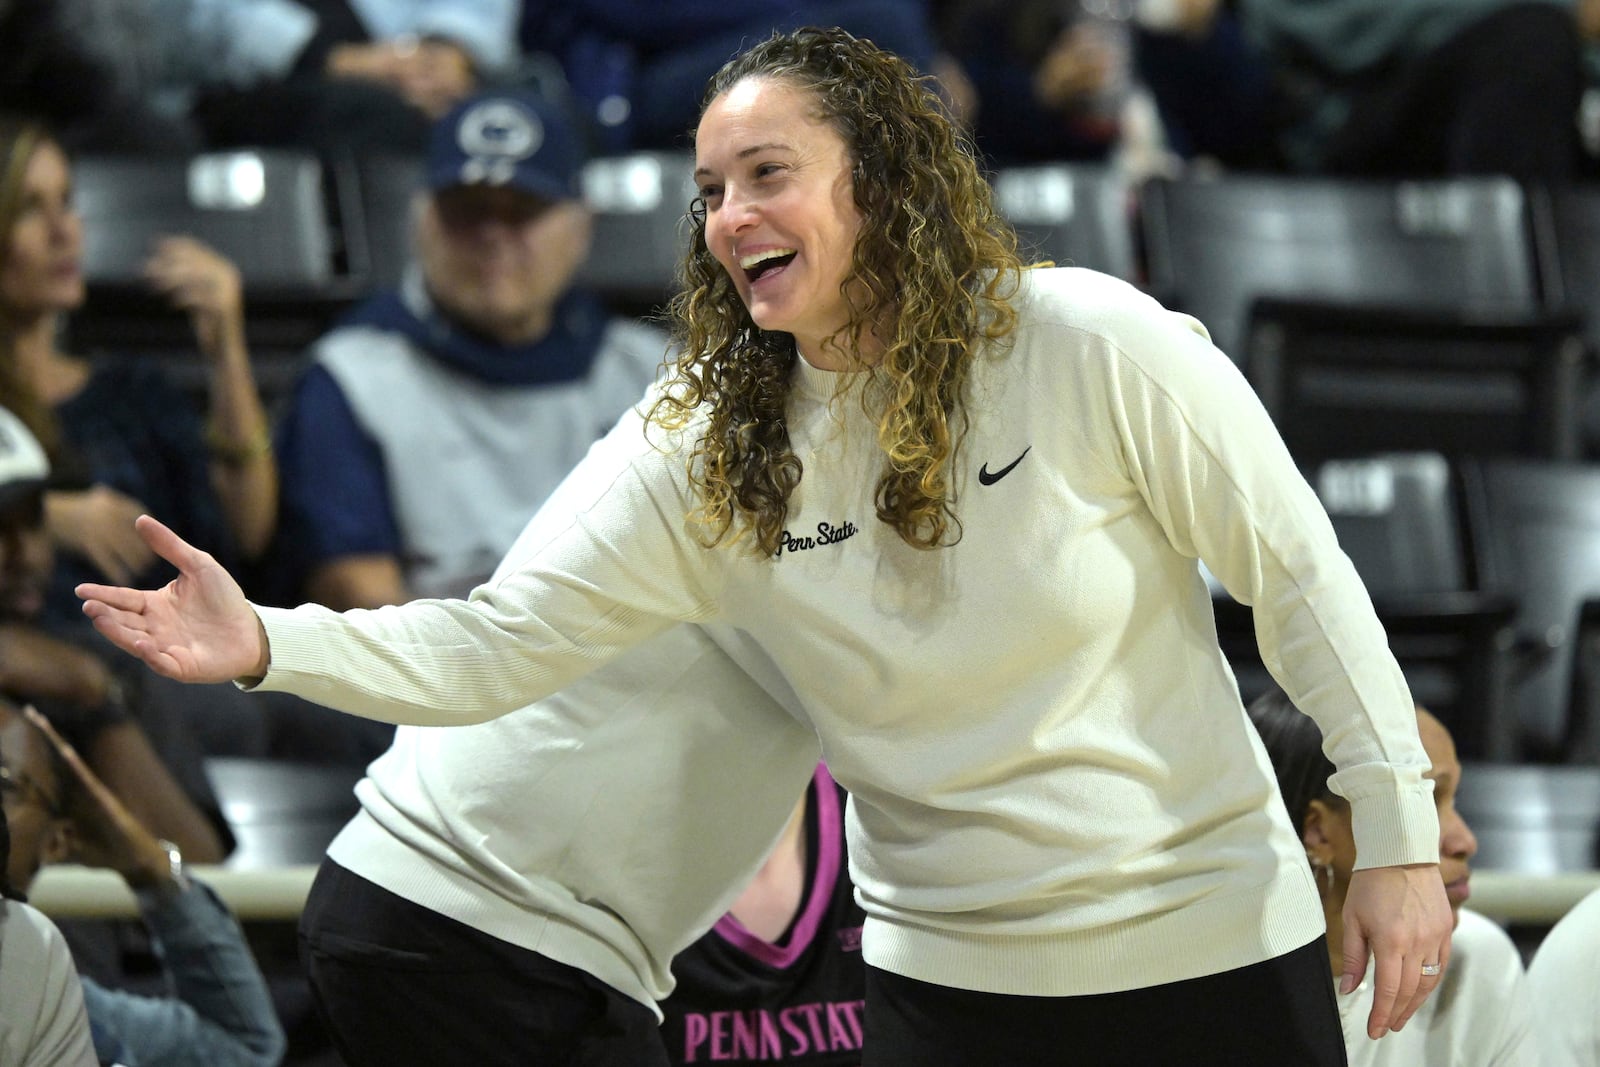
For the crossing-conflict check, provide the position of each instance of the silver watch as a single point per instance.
(177, 879)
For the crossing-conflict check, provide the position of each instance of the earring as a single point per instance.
(1322, 871)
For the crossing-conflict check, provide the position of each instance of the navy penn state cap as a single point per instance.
(509, 139)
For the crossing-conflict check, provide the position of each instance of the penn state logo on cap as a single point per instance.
(496, 135)
(506, 138)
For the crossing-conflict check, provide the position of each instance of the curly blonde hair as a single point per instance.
(931, 279)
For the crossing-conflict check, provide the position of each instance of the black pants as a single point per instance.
(1501, 97)
(399, 984)
(1280, 1013)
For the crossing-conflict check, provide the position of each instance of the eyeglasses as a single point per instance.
(26, 790)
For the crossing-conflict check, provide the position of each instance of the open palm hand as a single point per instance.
(197, 628)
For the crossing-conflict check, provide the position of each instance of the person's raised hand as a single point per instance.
(435, 75)
(197, 628)
(206, 284)
(430, 74)
(1078, 65)
(1401, 917)
(106, 834)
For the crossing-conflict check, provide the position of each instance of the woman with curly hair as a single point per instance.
(958, 507)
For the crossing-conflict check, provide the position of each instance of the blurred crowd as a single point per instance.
(1339, 86)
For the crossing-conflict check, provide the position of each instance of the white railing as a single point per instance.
(67, 891)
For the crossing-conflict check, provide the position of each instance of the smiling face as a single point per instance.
(41, 272)
(781, 216)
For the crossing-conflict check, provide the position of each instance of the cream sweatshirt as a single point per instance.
(1053, 783)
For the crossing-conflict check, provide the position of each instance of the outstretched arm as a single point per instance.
(607, 562)
(1216, 475)
(197, 628)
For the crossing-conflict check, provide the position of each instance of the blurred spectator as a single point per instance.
(639, 67)
(1480, 1015)
(42, 1019)
(1425, 88)
(427, 51)
(104, 712)
(1564, 978)
(53, 70)
(219, 1013)
(1214, 88)
(780, 976)
(124, 439)
(1067, 80)
(361, 74)
(328, 75)
(435, 419)
(1050, 81)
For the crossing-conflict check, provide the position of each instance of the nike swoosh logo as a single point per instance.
(986, 478)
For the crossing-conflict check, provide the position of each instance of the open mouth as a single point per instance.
(761, 264)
